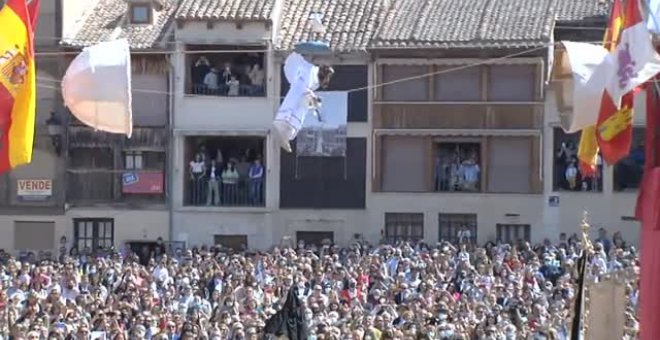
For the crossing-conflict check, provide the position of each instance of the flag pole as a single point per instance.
(580, 308)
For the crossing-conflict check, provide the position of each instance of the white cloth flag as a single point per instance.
(633, 62)
(653, 21)
(303, 78)
(582, 59)
(97, 87)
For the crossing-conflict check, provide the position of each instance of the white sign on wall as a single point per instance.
(34, 189)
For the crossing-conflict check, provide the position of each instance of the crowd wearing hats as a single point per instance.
(407, 290)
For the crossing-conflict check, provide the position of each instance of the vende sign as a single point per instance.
(35, 188)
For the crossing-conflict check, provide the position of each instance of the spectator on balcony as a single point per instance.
(211, 82)
(227, 73)
(246, 82)
(257, 78)
(197, 168)
(213, 187)
(198, 73)
(470, 173)
(229, 183)
(256, 182)
(571, 175)
(234, 87)
(453, 172)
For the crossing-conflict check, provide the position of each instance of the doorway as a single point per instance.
(315, 237)
(233, 242)
(144, 250)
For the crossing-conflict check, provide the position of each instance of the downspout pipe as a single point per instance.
(170, 149)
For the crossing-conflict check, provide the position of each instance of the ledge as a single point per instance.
(225, 210)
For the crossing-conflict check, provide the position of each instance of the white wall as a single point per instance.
(197, 32)
(130, 225)
(200, 225)
(207, 113)
(73, 14)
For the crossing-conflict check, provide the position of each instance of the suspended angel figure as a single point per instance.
(304, 78)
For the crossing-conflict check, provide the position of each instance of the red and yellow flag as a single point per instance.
(614, 127)
(588, 147)
(17, 82)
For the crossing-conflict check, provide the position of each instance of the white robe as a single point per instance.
(303, 78)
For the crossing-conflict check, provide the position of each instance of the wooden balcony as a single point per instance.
(424, 115)
(90, 187)
(151, 138)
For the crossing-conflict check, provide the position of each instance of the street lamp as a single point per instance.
(55, 129)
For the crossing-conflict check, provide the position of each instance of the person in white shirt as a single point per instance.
(464, 235)
(197, 170)
(257, 78)
(160, 273)
(211, 81)
(470, 174)
(571, 175)
(234, 87)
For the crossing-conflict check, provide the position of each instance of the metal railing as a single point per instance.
(243, 193)
(226, 91)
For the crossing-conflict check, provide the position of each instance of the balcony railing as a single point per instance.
(205, 192)
(228, 91)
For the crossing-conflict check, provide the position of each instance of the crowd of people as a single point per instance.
(407, 290)
(241, 76)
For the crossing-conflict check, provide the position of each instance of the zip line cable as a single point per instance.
(363, 88)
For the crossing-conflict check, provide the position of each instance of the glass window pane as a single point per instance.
(89, 229)
(130, 164)
(140, 14)
(138, 161)
(390, 231)
(108, 230)
(401, 230)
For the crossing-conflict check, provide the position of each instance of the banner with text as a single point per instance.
(34, 189)
(143, 182)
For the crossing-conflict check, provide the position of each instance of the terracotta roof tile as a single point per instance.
(239, 10)
(350, 24)
(580, 10)
(466, 24)
(109, 17)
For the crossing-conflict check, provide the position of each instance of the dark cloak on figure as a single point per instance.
(289, 321)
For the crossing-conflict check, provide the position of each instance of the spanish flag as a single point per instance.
(588, 148)
(17, 82)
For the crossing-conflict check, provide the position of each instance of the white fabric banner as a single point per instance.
(607, 309)
(97, 87)
(587, 85)
(594, 70)
(634, 61)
